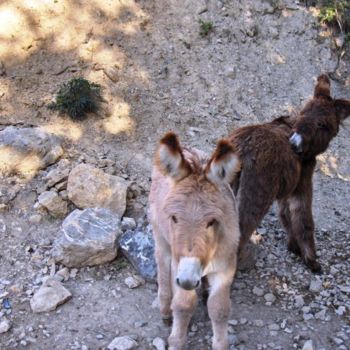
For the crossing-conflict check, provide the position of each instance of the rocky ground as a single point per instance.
(158, 74)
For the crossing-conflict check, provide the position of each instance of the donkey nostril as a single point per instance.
(197, 284)
(178, 281)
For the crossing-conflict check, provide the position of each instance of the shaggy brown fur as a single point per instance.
(273, 170)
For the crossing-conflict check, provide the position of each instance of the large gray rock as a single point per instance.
(27, 150)
(49, 296)
(89, 187)
(87, 237)
(138, 248)
(55, 205)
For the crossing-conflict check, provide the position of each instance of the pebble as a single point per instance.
(5, 325)
(159, 343)
(308, 345)
(35, 219)
(269, 297)
(274, 327)
(128, 223)
(315, 285)
(299, 301)
(258, 291)
(122, 343)
(134, 281)
(258, 323)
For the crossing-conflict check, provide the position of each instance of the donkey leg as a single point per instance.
(183, 306)
(219, 306)
(303, 229)
(163, 259)
(285, 218)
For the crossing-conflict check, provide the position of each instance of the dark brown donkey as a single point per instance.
(273, 170)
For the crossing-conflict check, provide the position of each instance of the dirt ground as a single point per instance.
(158, 74)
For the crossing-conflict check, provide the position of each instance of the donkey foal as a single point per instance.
(272, 170)
(195, 226)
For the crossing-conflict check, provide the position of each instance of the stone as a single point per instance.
(112, 73)
(89, 187)
(35, 218)
(134, 281)
(27, 150)
(308, 345)
(122, 343)
(54, 204)
(128, 224)
(5, 325)
(321, 315)
(315, 285)
(87, 237)
(138, 247)
(55, 176)
(50, 295)
(258, 323)
(258, 291)
(269, 297)
(299, 301)
(159, 343)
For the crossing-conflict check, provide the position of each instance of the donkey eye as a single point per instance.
(211, 223)
(174, 219)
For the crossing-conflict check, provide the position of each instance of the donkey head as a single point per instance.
(319, 121)
(200, 205)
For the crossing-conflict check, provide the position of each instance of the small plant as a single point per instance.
(77, 97)
(334, 12)
(205, 28)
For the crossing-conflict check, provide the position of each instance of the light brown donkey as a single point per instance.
(196, 231)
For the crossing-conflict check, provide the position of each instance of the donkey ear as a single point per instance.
(342, 108)
(323, 86)
(224, 164)
(170, 159)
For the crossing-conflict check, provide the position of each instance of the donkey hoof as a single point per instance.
(314, 266)
(167, 320)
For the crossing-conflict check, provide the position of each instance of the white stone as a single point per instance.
(87, 237)
(5, 325)
(258, 291)
(158, 343)
(122, 343)
(315, 285)
(308, 345)
(49, 296)
(134, 281)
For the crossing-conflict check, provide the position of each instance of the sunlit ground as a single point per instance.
(84, 30)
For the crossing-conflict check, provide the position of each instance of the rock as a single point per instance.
(308, 345)
(274, 327)
(138, 248)
(269, 297)
(27, 150)
(87, 237)
(258, 291)
(35, 219)
(112, 73)
(134, 281)
(5, 325)
(158, 343)
(122, 343)
(315, 285)
(89, 187)
(55, 176)
(55, 205)
(128, 224)
(299, 301)
(321, 315)
(49, 296)
(2, 69)
(258, 323)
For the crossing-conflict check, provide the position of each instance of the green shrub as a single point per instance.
(77, 97)
(205, 28)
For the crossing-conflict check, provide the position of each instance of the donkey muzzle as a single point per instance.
(296, 141)
(189, 273)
